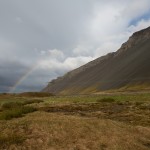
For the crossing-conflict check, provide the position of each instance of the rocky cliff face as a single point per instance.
(135, 39)
(129, 65)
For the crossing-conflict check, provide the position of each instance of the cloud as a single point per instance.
(19, 20)
(10, 72)
(68, 64)
(56, 54)
(57, 36)
(134, 9)
(140, 25)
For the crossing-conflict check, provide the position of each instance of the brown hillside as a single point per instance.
(129, 66)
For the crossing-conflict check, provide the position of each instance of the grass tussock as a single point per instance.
(33, 101)
(11, 105)
(107, 100)
(16, 112)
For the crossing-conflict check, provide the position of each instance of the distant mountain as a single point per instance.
(126, 69)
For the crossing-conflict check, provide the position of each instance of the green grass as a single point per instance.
(11, 105)
(74, 99)
(11, 110)
(94, 98)
(16, 112)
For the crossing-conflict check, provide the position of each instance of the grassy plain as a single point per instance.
(87, 122)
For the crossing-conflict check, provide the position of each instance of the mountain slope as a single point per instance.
(129, 66)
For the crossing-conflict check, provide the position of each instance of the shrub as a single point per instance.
(11, 105)
(138, 103)
(108, 100)
(9, 114)
(16, 113)
(27, 109)
(32, 101)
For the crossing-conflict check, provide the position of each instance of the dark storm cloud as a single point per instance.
(43, 39)
(10, 72)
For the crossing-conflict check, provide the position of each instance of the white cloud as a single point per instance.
(55, 53)
(74, 62)
(106, 48)
(68, 64)
(52, 54)
(140, 25)
(135, 9)
(82, 50)
(19, 20)
(103, 23)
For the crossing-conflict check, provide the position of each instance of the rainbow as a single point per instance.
(22, 78)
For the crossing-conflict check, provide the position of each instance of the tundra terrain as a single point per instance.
(89, 122)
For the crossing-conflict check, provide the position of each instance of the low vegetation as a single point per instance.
(10, 140)
(16, 112)
(99, 122)
(11, 110)
(36, 94)
(109, 100)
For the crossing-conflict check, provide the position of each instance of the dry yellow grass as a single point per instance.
(79, 123)
(56, 131)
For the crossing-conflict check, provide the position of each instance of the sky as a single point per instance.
(41, 40)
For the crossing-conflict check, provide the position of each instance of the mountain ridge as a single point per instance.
(105, 73)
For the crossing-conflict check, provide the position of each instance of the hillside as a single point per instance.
(125, 69)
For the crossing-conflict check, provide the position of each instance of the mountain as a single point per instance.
(126, 69)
